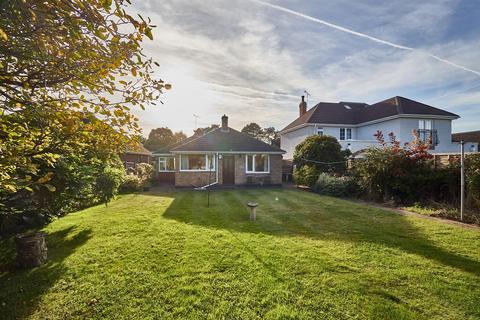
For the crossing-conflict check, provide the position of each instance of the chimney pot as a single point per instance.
(303, 107)
(224, 123)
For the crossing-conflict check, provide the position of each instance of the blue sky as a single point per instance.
(253, 60)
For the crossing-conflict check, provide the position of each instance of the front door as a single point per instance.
(228, 168)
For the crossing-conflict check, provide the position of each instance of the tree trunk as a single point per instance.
(31, 249)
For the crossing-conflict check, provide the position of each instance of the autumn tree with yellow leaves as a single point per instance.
(70, 71)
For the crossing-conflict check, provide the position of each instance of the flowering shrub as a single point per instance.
(399, 173)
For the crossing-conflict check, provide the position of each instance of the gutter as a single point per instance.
(361, 124)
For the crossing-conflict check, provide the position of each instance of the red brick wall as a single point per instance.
(199, 178)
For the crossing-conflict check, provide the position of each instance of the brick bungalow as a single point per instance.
(134, 155)
(223, 156)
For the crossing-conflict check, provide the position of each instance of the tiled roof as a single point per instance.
(471, 136)
(166, 150)
(352, 113)
(137, 148)
(230, 140)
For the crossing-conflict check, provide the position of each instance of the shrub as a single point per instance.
(145, 173)
(336, 186)
(472, 175)
(131, 183)
(108, 183)
(322, 152)
(306, 175)
(393, 172)
(140, 180)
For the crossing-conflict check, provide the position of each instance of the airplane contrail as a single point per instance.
(363, 35)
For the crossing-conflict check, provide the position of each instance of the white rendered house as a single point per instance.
(354, 124)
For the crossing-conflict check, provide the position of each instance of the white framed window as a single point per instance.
(257, 163)
(166, 164)
(320, 131)
(427, 133)
(197, 162)
(425, 124)
(345, 133)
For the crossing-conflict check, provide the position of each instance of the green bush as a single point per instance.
(141, 180)
(108, 183)
(331, 185)
(131, 183)
(306, 175)
(387, 174)
(472, 179)
(144, 172)
(322, 152)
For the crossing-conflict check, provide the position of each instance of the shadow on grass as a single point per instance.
(293, 213)
(21, 289)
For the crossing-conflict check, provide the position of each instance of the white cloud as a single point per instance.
(240, 59)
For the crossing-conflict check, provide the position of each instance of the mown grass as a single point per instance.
(165, 255)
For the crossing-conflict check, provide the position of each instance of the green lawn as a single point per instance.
(165, 255)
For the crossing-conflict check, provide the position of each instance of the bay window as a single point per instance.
(166, 164)
(257, 163)
(197, 162)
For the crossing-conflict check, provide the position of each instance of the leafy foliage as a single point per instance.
(131, 183)
(268, 135)
(322, 152)
(141, 178)
(331, 185)
(472, 179)
(70, 71)
(201, 131)
(108, 183)
(404, 174)
(306, 175)
(163, 137)
(254, 130)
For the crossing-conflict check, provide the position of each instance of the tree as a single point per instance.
(139, 138)
(159, 138)
(179, 136)
(268, 135)
(201, 131)
(162, 137)
(254, 130)
(70, 70)
(322, 152)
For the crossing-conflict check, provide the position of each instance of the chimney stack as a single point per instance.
(303, 106)
(224, 123)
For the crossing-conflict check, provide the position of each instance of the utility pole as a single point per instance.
(462, 178)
